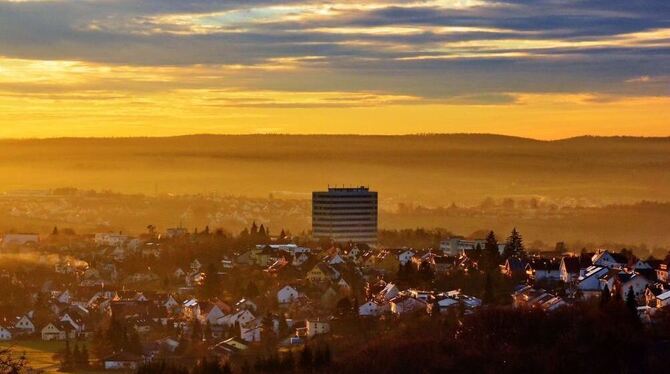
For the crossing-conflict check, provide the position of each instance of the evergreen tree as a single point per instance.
(490, 256)
(283, 325)
(84, 357)
(327, 355)
(211, 286)
(306, 358)
(631, 302)
(66, 357)
(208, 330)
(55, 231)
(254, 230)
(489, 297)
(514, 244)
(196, 334)
(76, 356)
(605, 296)
(252, 290)
(134, 343)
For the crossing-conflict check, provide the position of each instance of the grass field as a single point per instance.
(39, 354)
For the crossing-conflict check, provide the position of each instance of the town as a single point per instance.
(257, 301)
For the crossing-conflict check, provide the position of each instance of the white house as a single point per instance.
(122, 361)
(251, 331)
(389, 292)
(315, 328)
(110, 239)
(24, 324)
(663, 299)
(64, 297)
(626, 281)
(642, 265)
(210, 312)
(57, 331)
(543, 269)
(336, 259)
(405, 304)
(369, 309)
(589, 283)
(457, 245)
(405, 257)
(608, 259)
(287, 295)
(5, 334)
(241, 317)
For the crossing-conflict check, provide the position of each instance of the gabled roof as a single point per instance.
(572, 264)
(543, 264)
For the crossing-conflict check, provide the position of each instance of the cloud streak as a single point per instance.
(276, 54)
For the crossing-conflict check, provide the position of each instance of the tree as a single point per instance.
(306, 358)
(55, 231)
(208, 330)
(9, 364)
(76, 356)
(343, 306)
(197, 330)
(252, 290)
(84, 357)
(283, 325)
(631, 302)
(514, 244)
(490, 256)
(66, 357)
(605, 296)
(211, 286)
(489, 297)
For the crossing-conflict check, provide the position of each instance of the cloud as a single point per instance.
(332, 54)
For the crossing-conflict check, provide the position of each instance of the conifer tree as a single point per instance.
(514, 244)
(605, 296)
(631, 302)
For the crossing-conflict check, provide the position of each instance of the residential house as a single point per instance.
(58, 331)
(609, 259)
(5, 334)
(389, 292)
(240, 317)
(541, 269)
(514, 267)
(369, 309)
(404, 304)
(122, 361)
(456, 246)
(287, 295)
(316, 327)
(251, 331)
(405, 256)
(663, 299)
(321, 273)
(24, 324)
(589, 283)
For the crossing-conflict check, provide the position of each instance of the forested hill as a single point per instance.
(427, 169)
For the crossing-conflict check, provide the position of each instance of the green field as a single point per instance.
(39, 354)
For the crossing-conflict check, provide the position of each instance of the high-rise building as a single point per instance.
(345, 215)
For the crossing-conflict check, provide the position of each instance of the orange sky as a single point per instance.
(156, 68)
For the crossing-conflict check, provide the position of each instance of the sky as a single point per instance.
(544, 69)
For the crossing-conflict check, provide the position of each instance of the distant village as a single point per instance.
(119, 302)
